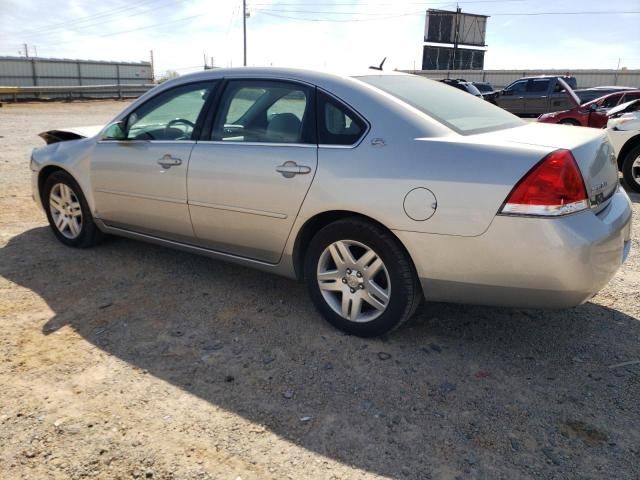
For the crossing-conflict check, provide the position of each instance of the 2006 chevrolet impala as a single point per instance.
(377, 190)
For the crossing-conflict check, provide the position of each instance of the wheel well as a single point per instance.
(42, 178)
(570, 121)
(626, 148)
(315, 224)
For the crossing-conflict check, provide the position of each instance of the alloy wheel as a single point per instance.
(354, 281)
(66, 210)
(635, 170)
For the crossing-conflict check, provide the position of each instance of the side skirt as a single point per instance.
(284, 268)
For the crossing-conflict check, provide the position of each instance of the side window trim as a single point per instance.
(214, 111)
(213, 84)
(350, 110)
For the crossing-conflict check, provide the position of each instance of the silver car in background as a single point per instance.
(377, 190)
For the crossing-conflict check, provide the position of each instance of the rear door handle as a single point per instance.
(290, 169)
(167, 161)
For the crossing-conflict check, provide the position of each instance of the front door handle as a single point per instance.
(290, 169)
(167, 161)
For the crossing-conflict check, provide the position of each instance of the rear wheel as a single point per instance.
(360, 278)
(631, 168)
(68, 212)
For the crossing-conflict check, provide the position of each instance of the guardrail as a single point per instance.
(16, 93)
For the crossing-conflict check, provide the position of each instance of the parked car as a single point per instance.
(463, 85)
(590, 114)
(623, 130)
(486, 89)
(531, 96)
(376, 190)
(588, 94)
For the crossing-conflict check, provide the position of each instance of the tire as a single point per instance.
(572, 123)
(631, 169)
(69, 217)
(357, 286)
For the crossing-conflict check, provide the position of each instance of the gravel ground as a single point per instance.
(134, 361)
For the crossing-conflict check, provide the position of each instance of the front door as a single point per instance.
(247, 182)
(139, 173)
(536, 96)
(512, 98)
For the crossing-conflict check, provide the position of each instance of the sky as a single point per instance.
(319, 34)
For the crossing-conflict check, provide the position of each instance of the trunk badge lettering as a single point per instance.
(598, 187)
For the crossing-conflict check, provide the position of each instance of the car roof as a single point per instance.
(538, 77)
(311, 76)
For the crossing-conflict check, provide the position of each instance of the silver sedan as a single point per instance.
(377, 190)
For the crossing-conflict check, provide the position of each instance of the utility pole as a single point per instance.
(26, 50)
(456, 38)
(153, 76)
(244, 30)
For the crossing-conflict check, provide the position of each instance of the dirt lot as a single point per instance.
(134, 361)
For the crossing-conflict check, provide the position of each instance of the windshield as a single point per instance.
(461, 112)
(471, 88)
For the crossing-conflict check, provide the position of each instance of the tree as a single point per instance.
(168, 75)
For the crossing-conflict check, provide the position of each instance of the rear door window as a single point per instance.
(337, 123)
(630, 96)
(265, 111)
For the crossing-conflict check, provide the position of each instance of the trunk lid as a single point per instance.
(590, 147)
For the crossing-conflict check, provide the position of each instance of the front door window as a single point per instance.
(171, 115)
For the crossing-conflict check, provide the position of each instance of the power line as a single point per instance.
(91, 18)
(121, 32)
(384, 16)
(339, 20)
(60, 30)
(375, 4)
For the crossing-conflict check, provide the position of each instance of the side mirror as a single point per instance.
(593, 107)
(507, 92)
(115, 131)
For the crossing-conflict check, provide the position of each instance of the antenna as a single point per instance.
(379, 67)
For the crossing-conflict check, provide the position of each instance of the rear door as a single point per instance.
(248, 179)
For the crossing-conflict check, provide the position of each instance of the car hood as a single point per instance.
(73, 133)
(575, 100)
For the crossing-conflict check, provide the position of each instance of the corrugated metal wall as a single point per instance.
(27, 72)
(502, 78)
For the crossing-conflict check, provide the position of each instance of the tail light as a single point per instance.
(553, 187)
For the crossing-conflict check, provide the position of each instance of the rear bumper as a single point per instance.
(526, 262)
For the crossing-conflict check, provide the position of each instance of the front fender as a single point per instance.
(72, 156)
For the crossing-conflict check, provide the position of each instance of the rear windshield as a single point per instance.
(483, 87)
(461, 112)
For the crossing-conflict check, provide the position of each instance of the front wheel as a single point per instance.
(360, 278)
(68, 212)
(631, 169)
